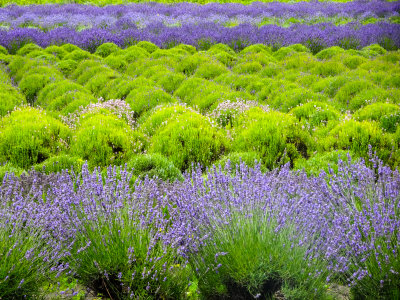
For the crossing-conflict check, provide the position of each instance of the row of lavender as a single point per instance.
(301, 233)
(201, 26)
(142, 15)
(202, 36)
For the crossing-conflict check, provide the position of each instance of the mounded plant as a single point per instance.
(28, 136)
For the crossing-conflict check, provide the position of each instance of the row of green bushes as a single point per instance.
(215, 105)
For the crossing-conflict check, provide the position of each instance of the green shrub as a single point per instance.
(189, 49)
(3, 50)
(43, 56)
(299, 48)
(283, 53)
(83, 67)
(70, 101)
(189, 64)
(247, 68)
(146, 98)
(189, 138)
(322, 162)
(95, 71)
(5, 59)
(9, 99)
(345, 94)
(210, 70)
(328, 68)
(236, 158)
(356, 136)
(56, 51)
(271, 134)
(352, 62)
(300, 61)
(387, 114)
(56, 89)
(28, 136)
(69, 47)
(330, 85)
(315, 113)
(78, 55)
(119, 88)
(17, 64)
(330, 52)
(153, 165)
(28, 48)
(256, 48)
(104, 139)
(148, 46)
(97, 82)
(106, 49)
(67, 66)
(373, 50)
(58, 163)
(289, 99)
(275, 88)
(392, 82)
(133, 53)
(170, 81)
(270, 70)
(217, 48)
(31, 85)
(157, 118)
(117, 62)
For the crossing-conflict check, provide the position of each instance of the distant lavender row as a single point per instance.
(352, 35)
(78, 16)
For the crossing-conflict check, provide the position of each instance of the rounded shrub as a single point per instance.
(58, 163)
(95, 71)
(3, 50)
(388, 115)
(78, 55)
(345, 94)
(106, 49)
(353, 61)
(275, 136)
(83, 67)
(330, 85)
(28, 136)
(283, 52)
(159, 117)
(373, 50)
(189, 64)
(133, 53)
(256, 48)
(119, 88)
(56, 51)
(170, 81)
(69, 47)
(67, 66)
(189, 138)
(104, 139)
(210, 70)
(328, 68)
(28, 48)
(116, 62)
(97, 82)
(289, 99)
(315, 113)
(10, 99)
(32, 84)
(357, 136)
(153, 165)
(42, 55)
(247, 68)
(148, 46)
(330, 52)
(70, 101)
(146, 98)
(217, 48)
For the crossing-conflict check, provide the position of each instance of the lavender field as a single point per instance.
(189, 151)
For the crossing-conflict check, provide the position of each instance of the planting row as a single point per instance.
(302, 235)
(80, 17)
(197, 106)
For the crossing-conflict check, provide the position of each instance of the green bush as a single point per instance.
(28, 48)
(117, 62)
(283, 53)
(95, 71)
(275, 88)
(56, 51)
(56, 89)
(106, 49)
(58, 163)
(3, 50)
(388, 115)
(303, 61)
(373, 50)
(247, 68)
(328, 68)
(153, 165)
(315, 113)
(157, 118)
(67, 66)
(43, 56)
(353, 61)
(217, 48)
(189, 138)
(189, 64)
(78, 55)
(146, 98)
(98, 81)
(256, 48)
(133, 53)
(322, 162)
(289, 99)
(28, 136)
(356, 136)
(103, 139)
(330, 85)
(119, 88)
(9, 99)
(271, 134)
(69, 47)
(343, 97)
(148, 46)
(84, 67)
(31, 85)
(330, 52)
(70, 101)
(210, 70)
(392, 82)
(170, 81)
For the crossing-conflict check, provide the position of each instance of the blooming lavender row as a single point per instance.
(350, 220)
(142, 15)
(323, 35)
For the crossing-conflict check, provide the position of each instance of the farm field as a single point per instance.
(186, 151)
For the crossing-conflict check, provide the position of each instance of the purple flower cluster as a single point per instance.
(350, 219)
(323, 35)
